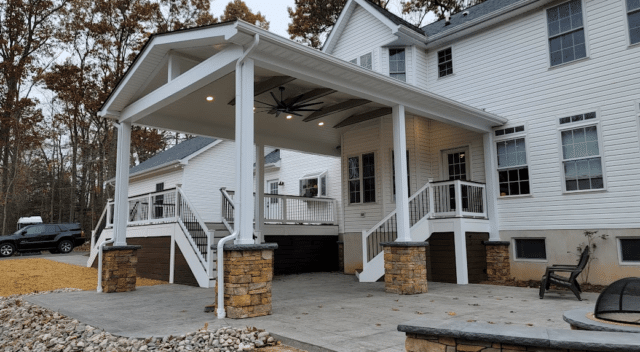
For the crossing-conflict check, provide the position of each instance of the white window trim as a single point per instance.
(514, 251)
(317, 176)
(637, 110)
(361, 173)
(581, 124)
(586, 35)
(626, 25)
(438, 63)
(444, 173)
(269, 182)
(619, 249)
(515, 135)
(406, 75)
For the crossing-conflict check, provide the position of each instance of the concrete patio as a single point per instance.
(318, 312)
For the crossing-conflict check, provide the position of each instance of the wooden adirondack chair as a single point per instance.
(570, 282)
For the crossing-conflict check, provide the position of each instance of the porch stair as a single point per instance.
(433, 200)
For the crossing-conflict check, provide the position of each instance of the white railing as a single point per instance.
(102, 223)
(285, 209)
(433, 200)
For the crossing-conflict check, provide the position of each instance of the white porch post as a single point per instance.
(259, 216)
(244, 208)
(122, 185)
(462, 272)
(400, 165)
(491, 186)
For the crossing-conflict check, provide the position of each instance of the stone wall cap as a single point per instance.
(496, 243)
(578, 317)
(525, 336)
(405, 244)
(120, 248)
(247, 247)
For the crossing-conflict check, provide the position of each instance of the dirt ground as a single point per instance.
(22, 276)
(279, 348)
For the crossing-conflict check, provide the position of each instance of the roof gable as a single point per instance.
(174, 154)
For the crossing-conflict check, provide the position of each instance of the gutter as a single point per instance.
(221, 312)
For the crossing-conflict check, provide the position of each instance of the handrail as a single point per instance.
(202, 256)
(97, 231)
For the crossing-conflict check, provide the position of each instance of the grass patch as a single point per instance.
(22, 276)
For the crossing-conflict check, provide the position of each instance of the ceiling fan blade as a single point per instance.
(293, 113)
(295, 100)
(278, 102)
(278, 112)
(308, 109)
(267, 104)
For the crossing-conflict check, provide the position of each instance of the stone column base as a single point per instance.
(498, 261)
(248, 272)
(119, 268)
(405, 267)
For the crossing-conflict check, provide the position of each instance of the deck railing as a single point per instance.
(433, 200)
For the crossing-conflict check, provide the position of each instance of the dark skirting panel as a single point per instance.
(304, 254)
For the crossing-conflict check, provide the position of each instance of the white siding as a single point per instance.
(148, 184)
(363, 34)
(205, 174)
(506, 71)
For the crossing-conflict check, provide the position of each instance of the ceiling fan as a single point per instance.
(288, 106)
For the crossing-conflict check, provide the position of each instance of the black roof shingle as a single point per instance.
(178, 152)
(474, 12)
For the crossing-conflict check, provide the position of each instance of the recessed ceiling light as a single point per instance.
(210, 98)
(321, 124)
(289, 117)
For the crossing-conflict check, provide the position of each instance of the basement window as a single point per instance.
(313, 185)
(629, 250)
(530, 248)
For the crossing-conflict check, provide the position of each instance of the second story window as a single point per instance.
(445, 62)
(364, 61)
(397, 66)
(633, 17)
(566, 32)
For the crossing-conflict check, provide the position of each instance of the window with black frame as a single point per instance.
(362, 178)
(445, 62)
(531, 248)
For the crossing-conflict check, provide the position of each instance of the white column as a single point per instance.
(259, 215)
(490, 172)
(244, 208)
(122, 185)
(462, 274)
(400, 165)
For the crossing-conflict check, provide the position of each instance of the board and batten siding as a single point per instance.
(506, 71)
(205, 174)
(363, 34)
(148, 184)
(295, 165)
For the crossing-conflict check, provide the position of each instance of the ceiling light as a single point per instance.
(321, 124)
(210, 98)
(289, 117)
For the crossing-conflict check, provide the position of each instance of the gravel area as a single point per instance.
(27, 327)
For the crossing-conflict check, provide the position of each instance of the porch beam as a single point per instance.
(259, 200)
(307, 97)
(334, 109)
(121, 211)
(491, 186)
(400, 164)
(244, 202)
(210, 70)
(267, 85)
(369, 115)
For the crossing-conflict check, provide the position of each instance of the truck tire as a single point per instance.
(65, 246)
(7, 250)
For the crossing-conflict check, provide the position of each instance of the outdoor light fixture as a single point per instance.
(321, 124)
(289, 117)
(210, 98)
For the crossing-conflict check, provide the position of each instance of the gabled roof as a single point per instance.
(474, 12)
(174, 154)
(395, 19)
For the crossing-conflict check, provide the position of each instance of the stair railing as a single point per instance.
(228, 208)
(197, 232)
(102, 223)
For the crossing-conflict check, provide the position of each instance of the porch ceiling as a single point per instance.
(201, 63)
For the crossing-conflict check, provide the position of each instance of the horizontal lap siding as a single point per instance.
(148, 184)
(506, 71)
(443, 137)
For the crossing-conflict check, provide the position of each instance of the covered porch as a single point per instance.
(215, 81)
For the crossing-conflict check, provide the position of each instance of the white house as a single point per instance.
(516, 122)
(202, 171)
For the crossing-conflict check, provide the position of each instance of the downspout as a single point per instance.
(100, 263)
(221, 312)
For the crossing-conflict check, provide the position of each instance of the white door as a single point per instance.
(456, 167)
(272, 204)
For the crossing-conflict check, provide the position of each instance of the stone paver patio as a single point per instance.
(322, 311)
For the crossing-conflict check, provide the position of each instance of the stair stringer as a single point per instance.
(193, 260)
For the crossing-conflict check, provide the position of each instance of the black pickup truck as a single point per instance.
(57, 238)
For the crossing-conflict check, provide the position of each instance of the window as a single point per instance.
(513, 171)
(364, 61)
(633, 17)
(397, 67)
(445, 62)
(313, 185)
(510, 130)
(35, 230)
(629, 249)
(362, 185)
(577, 118)
(566, 32)
(581, 159)
(531, 248)
(393, 172)
(272, 188)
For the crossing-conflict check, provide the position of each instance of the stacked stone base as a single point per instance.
(119, 268)
(498, 261)
(426, 343)
(405, 267)
(248, 273)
